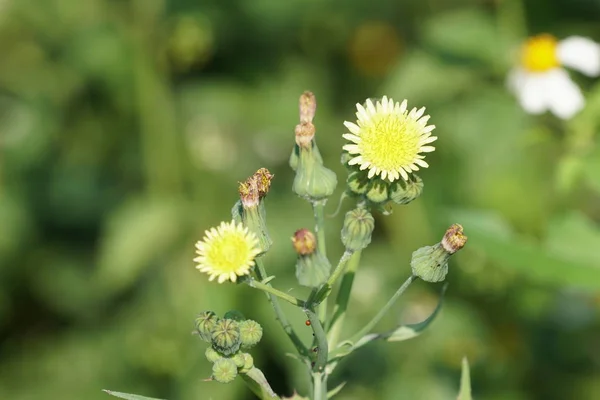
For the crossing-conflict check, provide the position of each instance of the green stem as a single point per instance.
(319, 386)
(285, 324)
(324, 291)
(319, 212)
(343, 297)
(367, 328)
(271, 290)
(320, 338)
(256, 381)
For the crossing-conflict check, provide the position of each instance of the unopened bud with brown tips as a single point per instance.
(308, 107)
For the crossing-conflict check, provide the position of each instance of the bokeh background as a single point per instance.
(125, 126)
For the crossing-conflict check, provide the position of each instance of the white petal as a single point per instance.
(362, 114)
(580, 53)
(352, 127)
(403, 106)
(351, 148)
(428, 140)
(420, 112)
(351, 137)
(428, 129)
(531, 89)
(404, 174)
(371, 173)
(564, 97)
(370, 107)
(384, 174)
(355, 160)
(422, 163)
(427, 149)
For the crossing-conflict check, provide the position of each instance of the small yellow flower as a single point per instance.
(227, 252)
(388, 140)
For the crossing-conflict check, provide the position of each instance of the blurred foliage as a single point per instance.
(125, 125)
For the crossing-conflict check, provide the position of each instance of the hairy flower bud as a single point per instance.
(239, 360)
(224, 370)
(313, 269)
(430, 263)
(308, 107)
(357, 229)
(205, 323)
(226, 337)
(357, 183)
(250, 333)
(305, 132)
(403, 192)
(212, 355)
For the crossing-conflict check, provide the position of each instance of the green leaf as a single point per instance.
(129, 396)
(465, 382)
(558, 265)
(336, 390)
(409, 331)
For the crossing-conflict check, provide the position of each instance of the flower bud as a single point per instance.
(226, 337)
(212, 355)
(250, 333)
(304, 242)
(308, 107)
(250, 209)
(224, 370)
(239, 360)
(234, 315)
(357, 183)
(248, 363)
(205, 323)
(430, 263)
(378, 192)
(357, 229)
(313, 181)
(312, 270)
(405, 192)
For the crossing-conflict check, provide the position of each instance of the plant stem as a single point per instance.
(322, 293)
(271, 290)
(319, 376)
(341, 302)
(367, 328)
(319, 212)
(285, 324)
(256, 381)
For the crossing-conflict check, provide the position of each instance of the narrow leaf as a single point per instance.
(409, 331)
(336, 390)
(465, 382)
(129, 396)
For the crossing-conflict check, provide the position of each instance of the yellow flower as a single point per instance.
(387, 139)
(227, 252)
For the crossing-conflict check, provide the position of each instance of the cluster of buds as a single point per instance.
(313, 181)
(228, 337)
(378, 192)
(250, 209)
(312, 267)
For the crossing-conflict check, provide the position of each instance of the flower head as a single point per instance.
(388, 139)
(227, 252)
(540, 82)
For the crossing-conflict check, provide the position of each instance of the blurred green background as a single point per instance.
(125, 126)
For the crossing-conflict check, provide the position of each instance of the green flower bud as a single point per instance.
(313, 181)
(224, 370)
(248, 363)
(226, 337)
(212, 355)
(378, 192)
(405, 192)
(250, 209)
(234, 315)
(205, 323)
(250, 333)
(357, 229)
(312, 268)
(239, 360)
(430, 263)
(358, 182)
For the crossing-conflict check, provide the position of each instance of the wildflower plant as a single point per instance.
(386, 146)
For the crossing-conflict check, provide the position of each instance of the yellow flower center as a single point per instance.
(390, 141)
(539, 53)
(228, 253)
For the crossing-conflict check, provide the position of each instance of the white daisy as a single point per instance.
(540, 82)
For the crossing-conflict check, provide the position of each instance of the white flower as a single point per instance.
(541, 84)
